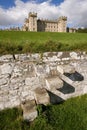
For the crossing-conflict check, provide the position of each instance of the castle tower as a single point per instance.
(32, 22)
(62, 21)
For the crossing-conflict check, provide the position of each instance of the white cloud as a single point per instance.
(75, 10)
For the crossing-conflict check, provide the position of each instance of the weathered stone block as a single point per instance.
(3, 81)
(6, 58)
(6, 68)
(2, 105)
(73, 55)
(54, 83)
(31, 81)
(29, 110)
(35, 56)
(40, 69)
(27, 95)
(41, 96)
(65, 69)
(59, 54)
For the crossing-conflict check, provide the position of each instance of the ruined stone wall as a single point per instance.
(41, 79)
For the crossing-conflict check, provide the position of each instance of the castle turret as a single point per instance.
(32, 22)
(26, 24)
(62, 21)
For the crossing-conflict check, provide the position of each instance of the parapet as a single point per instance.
(32, 14)
(47, 20)
(63, 18)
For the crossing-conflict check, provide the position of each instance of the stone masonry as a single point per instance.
(33, 79)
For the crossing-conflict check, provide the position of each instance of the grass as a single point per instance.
(70, 115)
(11, 119)
(23, 42)
(41, 37)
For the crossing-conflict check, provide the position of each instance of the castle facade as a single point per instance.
(39, 25)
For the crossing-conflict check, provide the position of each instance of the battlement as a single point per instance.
(47, 21)
(32, 14)
(62, 18)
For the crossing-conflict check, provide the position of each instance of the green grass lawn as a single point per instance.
(22, 42)
(70, 115)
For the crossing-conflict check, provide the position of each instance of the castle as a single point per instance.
(33, 24)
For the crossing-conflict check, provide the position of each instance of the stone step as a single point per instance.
(29, 110)
(53, 83)
(66, 79)
(41, 96)
(59, 94)
(65, 69)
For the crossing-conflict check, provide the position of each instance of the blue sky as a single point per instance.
(11, 3)
(13, 12)
(7, 4)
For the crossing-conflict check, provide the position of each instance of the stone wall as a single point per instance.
(31, 79)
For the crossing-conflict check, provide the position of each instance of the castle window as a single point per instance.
(33, 29)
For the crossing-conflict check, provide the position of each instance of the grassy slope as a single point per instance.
(22, 42)
(41, 37)
(71, 115)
